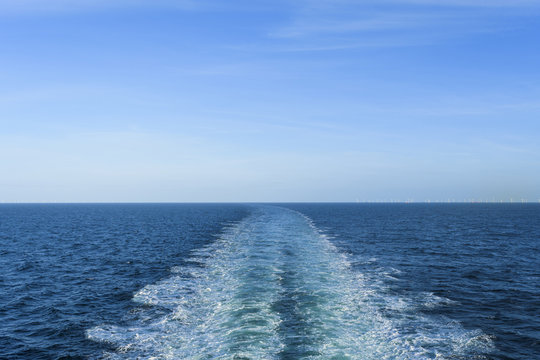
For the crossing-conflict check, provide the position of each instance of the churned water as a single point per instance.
(290, 281)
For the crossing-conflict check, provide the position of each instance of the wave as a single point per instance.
(273, 286)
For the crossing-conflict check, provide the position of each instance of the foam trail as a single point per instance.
(274, 287)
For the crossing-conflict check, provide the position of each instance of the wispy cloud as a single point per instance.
(364, 23)
(469, 3)
(323, 25)
(12, 7)
(457, 3)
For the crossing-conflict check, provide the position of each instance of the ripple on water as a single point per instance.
(274, 287)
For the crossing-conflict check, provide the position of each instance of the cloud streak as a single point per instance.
(314, 4)
(470, 3)
(322, 25)
(369, 23)
(14, 7)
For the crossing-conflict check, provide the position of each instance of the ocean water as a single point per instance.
(282, 281)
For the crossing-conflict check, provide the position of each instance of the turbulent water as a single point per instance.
(274, 283)
(274, 287)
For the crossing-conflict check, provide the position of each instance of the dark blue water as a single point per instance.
(67, 268)
(294, 281)
(483, 258)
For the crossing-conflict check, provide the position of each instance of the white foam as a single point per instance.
(227, 307)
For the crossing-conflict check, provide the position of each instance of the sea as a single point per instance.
(270, 281)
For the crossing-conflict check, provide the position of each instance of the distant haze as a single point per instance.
(311, 100)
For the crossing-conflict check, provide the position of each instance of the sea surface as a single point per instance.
(270, 281)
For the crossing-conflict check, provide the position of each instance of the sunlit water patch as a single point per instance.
(273, 286)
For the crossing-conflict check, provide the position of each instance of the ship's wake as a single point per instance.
(275, 287)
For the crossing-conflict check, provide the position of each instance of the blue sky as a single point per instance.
(308, 100)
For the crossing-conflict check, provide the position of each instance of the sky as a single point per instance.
(240, 101)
